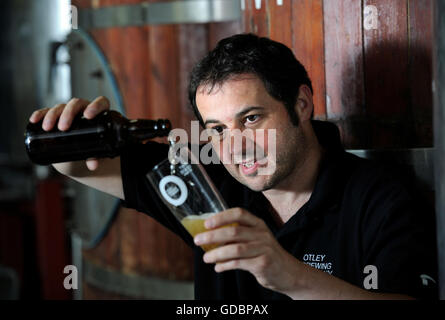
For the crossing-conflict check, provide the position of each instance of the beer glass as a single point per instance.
(188, 192)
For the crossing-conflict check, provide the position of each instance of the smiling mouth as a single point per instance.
(248, 164)
(250, 167)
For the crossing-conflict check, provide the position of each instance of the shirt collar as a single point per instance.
(331, 176)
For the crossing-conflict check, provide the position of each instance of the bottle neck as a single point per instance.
(141, 129)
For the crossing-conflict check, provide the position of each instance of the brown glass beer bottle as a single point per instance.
(104, 136)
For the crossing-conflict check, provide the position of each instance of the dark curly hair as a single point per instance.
(273, 62)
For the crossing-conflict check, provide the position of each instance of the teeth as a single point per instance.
(248, 164)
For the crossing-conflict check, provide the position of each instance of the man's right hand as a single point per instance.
(101, 174)
(62, 115)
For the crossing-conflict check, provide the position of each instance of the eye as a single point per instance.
(252, 118)
(217, 133)
(218, 129)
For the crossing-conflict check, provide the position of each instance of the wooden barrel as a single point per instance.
(139, 258)
(370, 63)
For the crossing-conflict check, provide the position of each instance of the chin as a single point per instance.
(258, 186)
(256, 183)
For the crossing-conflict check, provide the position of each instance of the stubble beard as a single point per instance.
(289, 159)
(290, 156)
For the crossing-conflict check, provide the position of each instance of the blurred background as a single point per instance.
(376, 68)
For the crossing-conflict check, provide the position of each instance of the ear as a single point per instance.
(304, 105)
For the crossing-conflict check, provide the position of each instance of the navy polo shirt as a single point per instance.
(362, 218)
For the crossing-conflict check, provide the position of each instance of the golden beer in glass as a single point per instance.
(194, 224)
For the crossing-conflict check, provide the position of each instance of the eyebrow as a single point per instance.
(237, 116)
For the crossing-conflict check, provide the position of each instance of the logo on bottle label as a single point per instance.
(174, 190)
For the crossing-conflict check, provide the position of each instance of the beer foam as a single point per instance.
(201, 216)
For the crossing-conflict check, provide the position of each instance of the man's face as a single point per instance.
(241, 104)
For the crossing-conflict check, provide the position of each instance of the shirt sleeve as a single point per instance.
(136, 162)
(399, 239)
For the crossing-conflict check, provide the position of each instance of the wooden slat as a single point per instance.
(163, 69)
(386, 75)
(111, 248)
(386, 59)
(344, 58)
(218, 31)
(129, 245)
(280, 21)
(192, 46)
(420, 69)
(175, 268)
(308, 45)
(344, 70)
(150, 244)
(260, 18)
(51, 238)
(246, 16)
(12, 241)
(127, 49)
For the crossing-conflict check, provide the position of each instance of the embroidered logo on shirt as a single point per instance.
(318, 261)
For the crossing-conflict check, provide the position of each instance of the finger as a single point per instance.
(74, 107)
(99, 105)
(227, 234)
(51, 117)
(233, 252)
(38, 115)
(246, 264)
(234, 215)
(92, 164)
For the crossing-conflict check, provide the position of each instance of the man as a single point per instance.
(324, 225)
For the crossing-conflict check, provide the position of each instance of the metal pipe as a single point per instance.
(154, 13)
(439, 135)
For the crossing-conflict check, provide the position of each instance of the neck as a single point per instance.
(296, 189)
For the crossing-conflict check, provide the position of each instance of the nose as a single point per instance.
(242, 144)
